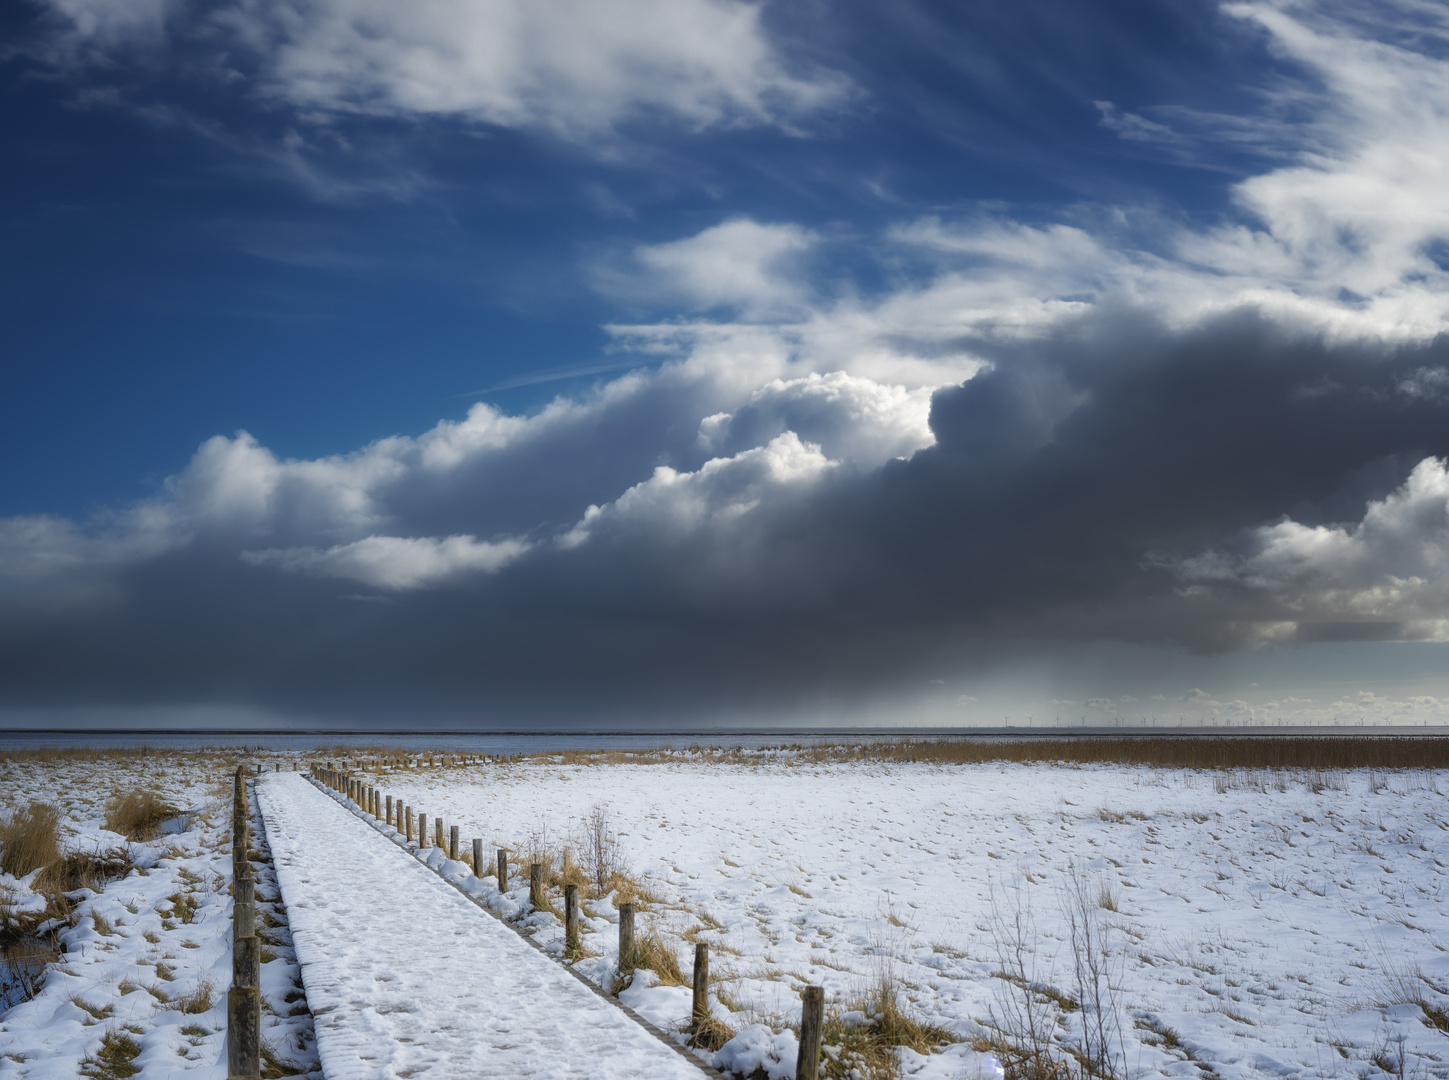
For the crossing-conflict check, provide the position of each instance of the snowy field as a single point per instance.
(139, 987)
(1252, 924)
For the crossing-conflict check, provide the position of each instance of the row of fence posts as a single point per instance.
(402, 817)
(244, 999)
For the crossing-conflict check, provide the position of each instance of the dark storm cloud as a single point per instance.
(1066, 488)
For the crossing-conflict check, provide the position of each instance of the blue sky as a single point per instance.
(722, 362)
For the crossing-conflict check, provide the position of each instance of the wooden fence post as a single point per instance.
(571, 921)
(626, 939)
(477, 856)
(535, 885)
(438, 834)
(389, 810)
(812, 1016)
(452, 841)
(502, 870)
(407, 813)
(700, 1011)
(243, 1033)
(422, 829)
(244, 999)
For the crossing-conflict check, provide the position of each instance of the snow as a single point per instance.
(1265, 924)
(407, 977)
(135, 956)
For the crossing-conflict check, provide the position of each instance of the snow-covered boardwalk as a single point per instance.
(408, 978)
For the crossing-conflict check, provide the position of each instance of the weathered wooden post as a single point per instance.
(246, 959)
(452, 841)
(243, 908)
(812, 1017)
(244, 1033)
(477, 856)
(535, 885)
(438, 834)
(407, 819)
(422, 829)
(388, 805)
(502, 870)
(571, 921)
(626, 939)
(244, 999)
(700, 1012)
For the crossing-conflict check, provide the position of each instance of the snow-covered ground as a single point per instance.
(141, 982)
(1256, 924)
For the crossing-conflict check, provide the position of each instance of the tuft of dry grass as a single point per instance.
(710, 1033)
(115, 1059)
(183, 906)
(275, 1066)
(137, 815)
(97, 1012)
(198, 1001)
(653, 952)
(1107, 896)
(867, 1047)
(30, 840)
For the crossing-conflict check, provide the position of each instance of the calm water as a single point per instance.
(459, 743)
(526, 743)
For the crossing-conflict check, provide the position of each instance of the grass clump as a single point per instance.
(198, 1001)
(115, 1058)
(864, 1035)
(274, 1065)
(183, 907)
(653, 952)
(137, 815)
(97, 1012)
(30, 840)
(710, 1033)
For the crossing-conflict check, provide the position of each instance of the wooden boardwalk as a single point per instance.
(406, 977)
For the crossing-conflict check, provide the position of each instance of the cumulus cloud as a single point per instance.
(671, 505)
(572, 67)
(1383, 575)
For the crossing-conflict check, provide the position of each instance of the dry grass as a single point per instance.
(137, 815)
(30, 839)
(710, 1033)
(275, 1066)
(653, 952)
(1404, 983)
(1318, 756)
(198, 1001)
(868, 1048)
(115, 1058)
(97, 1012)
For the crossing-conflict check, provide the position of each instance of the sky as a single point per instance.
(661, 364)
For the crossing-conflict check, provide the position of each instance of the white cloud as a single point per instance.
(751, 267)
(1389, 567)
(671, 505)
(395, 562)
(852, 418)
(575, 67)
